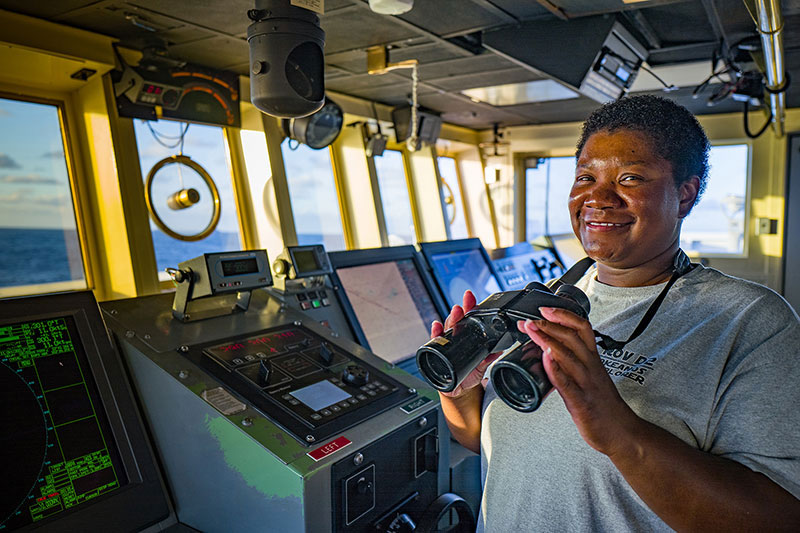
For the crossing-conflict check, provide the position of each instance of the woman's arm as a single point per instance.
(685, 487)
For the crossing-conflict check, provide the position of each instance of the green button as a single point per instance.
(316, 303)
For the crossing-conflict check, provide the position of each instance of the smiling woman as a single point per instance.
(38, 234)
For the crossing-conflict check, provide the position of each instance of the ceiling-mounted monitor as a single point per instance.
(390, 300)
(460, 265)
(72, 447)
(602, 68)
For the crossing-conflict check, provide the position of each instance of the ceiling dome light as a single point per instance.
(391, 7)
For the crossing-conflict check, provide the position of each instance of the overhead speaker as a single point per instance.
(287, 64)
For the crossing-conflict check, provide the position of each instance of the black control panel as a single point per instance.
(309, 385)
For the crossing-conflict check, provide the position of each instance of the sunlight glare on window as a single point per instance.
(458, 226)
(547, 193)
(395, 199)
(312, 190)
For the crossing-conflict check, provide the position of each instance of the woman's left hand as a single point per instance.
(575, 369)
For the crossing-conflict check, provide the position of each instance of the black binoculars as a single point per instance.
(518, 376)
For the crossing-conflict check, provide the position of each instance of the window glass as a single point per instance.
(206, 146)
(394, 195)
(716, 224)
(312, 190)
(546, 196)
(38, 233)
(454, 211)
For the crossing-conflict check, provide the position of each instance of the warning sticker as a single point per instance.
(327, 449)
(223, 401)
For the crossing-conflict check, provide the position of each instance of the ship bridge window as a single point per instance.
(395, 198)
(312, 192)
(455, 213)
(39, 238)
(716, 225)
(191, 216)
(547, 189)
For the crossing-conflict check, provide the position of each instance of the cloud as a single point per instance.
(29, 179)
(27, 196)
(7, 162)
(55, 154)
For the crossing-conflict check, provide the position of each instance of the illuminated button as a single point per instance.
(325, 412)
(222, 285)
(249, 357)
(311, 295)
(261, 355)
(301, 297)
(361, 397)
(335, 408)
(305, 305)
(316, 304)
(322, 294)
(315, 416)
(237, 283)
(325, 302)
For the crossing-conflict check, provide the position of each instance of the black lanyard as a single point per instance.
(680, 266)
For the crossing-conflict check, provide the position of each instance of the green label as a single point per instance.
(413, 405)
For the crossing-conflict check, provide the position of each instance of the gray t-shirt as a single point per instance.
(718, 367)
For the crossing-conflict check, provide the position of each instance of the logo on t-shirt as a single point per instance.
(631, 365)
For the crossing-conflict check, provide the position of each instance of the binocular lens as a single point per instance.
(436, 370)
(515, 387)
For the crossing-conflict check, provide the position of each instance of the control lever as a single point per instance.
(326, 353)
(264, 370)
(402, 524)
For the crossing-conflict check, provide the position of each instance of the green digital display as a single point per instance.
(56, 445)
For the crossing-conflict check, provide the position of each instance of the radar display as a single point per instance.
(56, 444)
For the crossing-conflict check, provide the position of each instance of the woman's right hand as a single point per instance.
(474, 378)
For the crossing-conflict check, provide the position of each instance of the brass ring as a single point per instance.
(183, 160)
(452, 201)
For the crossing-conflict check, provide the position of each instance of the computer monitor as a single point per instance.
(389, 299)
(522, 263)
(72, 445)
(460, 265)
(568, 248)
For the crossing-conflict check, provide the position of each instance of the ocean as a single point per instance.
(31, 256)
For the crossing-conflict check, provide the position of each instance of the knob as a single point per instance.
(355, 375)
(281, 267)
(363, 486)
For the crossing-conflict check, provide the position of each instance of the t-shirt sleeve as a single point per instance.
(756, 416)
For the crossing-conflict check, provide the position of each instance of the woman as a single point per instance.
(691, 424)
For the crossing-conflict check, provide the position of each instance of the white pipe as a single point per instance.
(770, 28)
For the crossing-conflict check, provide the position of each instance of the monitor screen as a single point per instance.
(392, 306)
(56, 445)
(568, 248)
(459, 271)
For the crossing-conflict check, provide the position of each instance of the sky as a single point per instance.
(34, 183)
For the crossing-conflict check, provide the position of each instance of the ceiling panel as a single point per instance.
(522, 9)
(360, 29)
(228, 17)
(449, 17)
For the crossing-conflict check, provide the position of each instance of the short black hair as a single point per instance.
(672, 129)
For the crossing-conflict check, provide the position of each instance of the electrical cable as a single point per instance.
(159, 136)
(747, 125)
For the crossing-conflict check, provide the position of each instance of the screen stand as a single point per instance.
(187, 308)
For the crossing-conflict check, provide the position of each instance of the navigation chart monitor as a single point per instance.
(392, 300)
(460, 265)
(568, 248)
(72, 448)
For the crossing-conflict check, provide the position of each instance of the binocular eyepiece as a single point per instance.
(518, 377)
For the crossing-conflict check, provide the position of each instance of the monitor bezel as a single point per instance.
(551, 243)
(369, 256)
(143, 501)
(429, 249)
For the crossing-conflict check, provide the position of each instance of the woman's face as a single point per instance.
(624, 204)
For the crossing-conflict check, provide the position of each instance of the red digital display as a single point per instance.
(153, 89)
